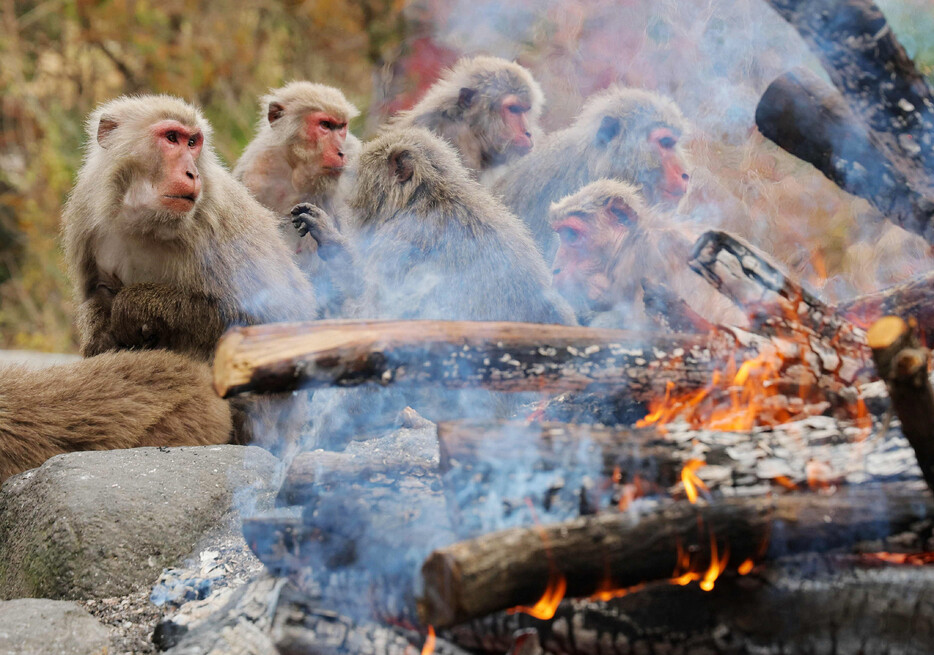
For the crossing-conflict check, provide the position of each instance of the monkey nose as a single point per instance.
(340, 154)
(685, 177)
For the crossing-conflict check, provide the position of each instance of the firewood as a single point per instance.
(903, 364)
(514, 567)
(913, 299)
(462, 354)
(670, 311)
(864, 60)
(807, 118)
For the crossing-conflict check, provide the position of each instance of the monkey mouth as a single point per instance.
(181, 203)
(333, 170)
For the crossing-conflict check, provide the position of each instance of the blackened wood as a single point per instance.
(464, 354)
(904, 367)
(913, 299)
(809, 119)
(806, 605)
(859, 51)
(510, 568)
(670, 311)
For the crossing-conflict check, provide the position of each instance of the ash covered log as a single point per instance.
(463, 354)
(903, 364)
(615, 551)
(809, 119)
(912, 299)
(841, 604)
(859, 51)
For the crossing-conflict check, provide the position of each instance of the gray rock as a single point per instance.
(34, 626)
(35, 359)
(98, 524)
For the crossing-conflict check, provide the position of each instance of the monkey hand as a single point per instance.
(314, 221)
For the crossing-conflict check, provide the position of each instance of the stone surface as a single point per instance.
(35, 359)
(34, 626)
(99, 524)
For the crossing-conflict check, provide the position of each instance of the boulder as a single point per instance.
(36, 626)
(98, 524)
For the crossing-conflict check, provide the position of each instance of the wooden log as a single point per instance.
(859, 51)
(670, 311)
(462, 354)
(904, 367)
(913, 299)
(514, 567)
(806, 117)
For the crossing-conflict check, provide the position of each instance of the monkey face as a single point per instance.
(179, 146)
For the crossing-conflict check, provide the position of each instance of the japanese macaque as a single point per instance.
(487, 107)
(610, 241)
(300, 150)
(433, 243)
(114, 400)
(621, 133)
(166, 248)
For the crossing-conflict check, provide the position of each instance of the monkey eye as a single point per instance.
(569, 236)
(667, 142)
(172, 137)
(517, 109)
(328, 125)
(193, 141)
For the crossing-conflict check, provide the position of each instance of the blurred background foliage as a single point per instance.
(60, 58)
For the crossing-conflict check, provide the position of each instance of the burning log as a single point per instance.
(593, 555)
(912, 299)
(903, 364)
(807, 118)
(462, 354)
(860, 53)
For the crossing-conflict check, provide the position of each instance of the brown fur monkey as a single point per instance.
(166, 248)
(621, 133)
(487, 107)
(609, 241)
(300, 150)
(114, 400)
(434, 244)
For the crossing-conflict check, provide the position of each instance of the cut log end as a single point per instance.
(225, 369)
(886, 331)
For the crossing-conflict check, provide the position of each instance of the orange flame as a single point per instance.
(429, 646)
(745, 567)
(690, 480)
(717, 565)
(547, 605)
(913, 559)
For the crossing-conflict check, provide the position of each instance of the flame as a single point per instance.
(429, 646)
(691, 481)
(912, 559)
(785, 481)
(717, 565)
(745, 567)
(547, 605)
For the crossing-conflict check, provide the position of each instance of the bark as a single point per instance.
(904, 367)
(912, 299)
(513, 567)
(806, 117)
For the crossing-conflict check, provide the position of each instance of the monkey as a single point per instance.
(301, 148)
(434, 244)
(609, 242)
(166, 248)
(487, 107)
(621, 133)
(114, 400)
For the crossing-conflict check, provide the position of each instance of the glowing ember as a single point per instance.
(745, 567)
(429, 646)
(547, 605)
(786, 482)
(912, 559)
(690, 480)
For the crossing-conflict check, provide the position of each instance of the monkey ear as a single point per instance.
(402, 166)
(275, 112)
(465, 98)
(609, 128)
(622, 211)
(104, 128)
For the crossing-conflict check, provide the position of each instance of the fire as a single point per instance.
(547, 605)
(745, 567)
(690, 480)
(429, 646)
(912, 559)
(717, 565)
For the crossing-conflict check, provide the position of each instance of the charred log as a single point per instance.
(616, 551)
(903, 364)
(913, 299)
(670, 311)
(807, 118)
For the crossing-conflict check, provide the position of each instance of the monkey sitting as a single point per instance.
(114, 400)
(609, 241)
(433, 243)
(486, 107)
(626, 134)
(167, 250)
(299, 153)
